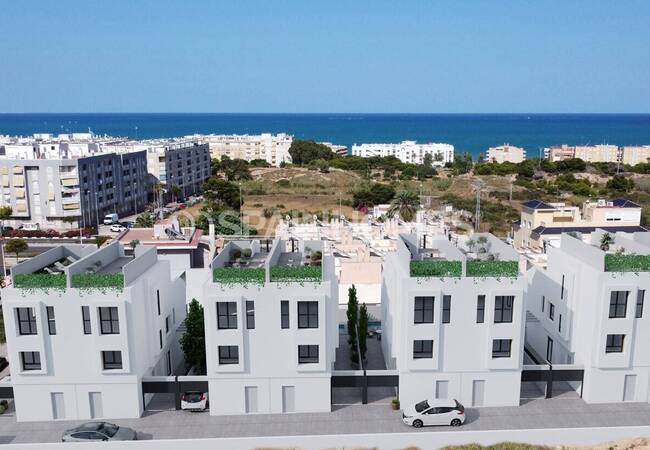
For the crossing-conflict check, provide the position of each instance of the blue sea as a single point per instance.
(467, 132)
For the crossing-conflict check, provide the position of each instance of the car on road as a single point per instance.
(194, 401)
(435, 412)
(117, 228)
(98, 431)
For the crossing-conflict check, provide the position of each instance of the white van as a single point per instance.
(30, 226)
(110, 219)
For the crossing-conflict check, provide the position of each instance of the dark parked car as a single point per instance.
(98, 431)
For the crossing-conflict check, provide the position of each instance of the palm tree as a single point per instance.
(406, 204)
(606, 241)
(5, 213)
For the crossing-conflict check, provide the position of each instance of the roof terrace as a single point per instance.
(297, 260)
(241, 262)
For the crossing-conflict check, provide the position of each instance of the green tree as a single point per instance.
(175, 191)
(235, 169)
(352, 315)
(619, 183)
(144, 220)
(304, 152)
(69, 220)
(193, 339)
(363, 330)
(377, 194)
(16, 246)
(605, 241)
(5, 213)
(406, 204)
(462, 163)
(134, 243)
(99, 240)
(219, 192)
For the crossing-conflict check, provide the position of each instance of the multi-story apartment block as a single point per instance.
(408, 152)
(559, 152)
(83, 327)
(47, 191)
(587, 153)
(274, 149)
(636, 154)
(542, 223)
(340, 150)
(589, 310)
(453, 320)
(505, 153)
(271, 327)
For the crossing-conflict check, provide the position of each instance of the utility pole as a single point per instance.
(241, 216)
(478, 186)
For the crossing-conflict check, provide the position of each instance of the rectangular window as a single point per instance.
(562, 289)
(551, 311)
(160, 339)
(446, 308)
(307, 354)
(228, 354)
(158, 300)
(543, 302)
(31, 360)
(559, 324)
(250, 314)
(51, 321)
(108, 320)
(85, 316)
(26, 321)
(307, 314)
(166, 324)
(226, 315)
(501, 348)
(618, 304)
(423, 309)
(284, 314)
(422, 349)
(640, 296)
(480, 309)
(112, 360)
(614, 343)
(503, 305)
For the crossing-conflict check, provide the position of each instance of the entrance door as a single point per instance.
(478, 392)
(549, 350)
(58, 408)
(250, 392)
(629, 388)
(96, 406)
(288, 399)
(442, 389)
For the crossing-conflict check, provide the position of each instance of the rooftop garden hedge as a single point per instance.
(296, 273)
(627, 263)
(436, 268)
(40, 281)
(477, 268)
(98, 280)
(238, 275)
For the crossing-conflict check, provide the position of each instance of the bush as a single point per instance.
(478, 268)
(268, 213)
(283, 183)
(98, 280)
(236, 254)
(40, 281)
(296, 273)
(247, 253)
(239, 275)
(434, 268)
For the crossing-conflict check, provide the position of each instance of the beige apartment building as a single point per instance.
(636, 154)
(506, 153)
(559, 152)
(542, 223)
(597, 153)
(272, 148)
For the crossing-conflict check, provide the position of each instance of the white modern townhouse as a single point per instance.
(408, 152)
(271, 327)
(588, 307)
(453, 320)
(84, 325)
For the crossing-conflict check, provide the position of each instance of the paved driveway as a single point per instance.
(377, 418)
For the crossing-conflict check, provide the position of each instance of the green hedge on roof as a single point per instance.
(497, 269)
(98, 280)
(296, 273)
(40, 281)
(239, 275)
(627, 263)
(436, 268)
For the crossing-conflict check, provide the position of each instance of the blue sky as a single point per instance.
(325, 56)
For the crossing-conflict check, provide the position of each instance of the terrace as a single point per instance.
(433, 257)
(623, 254)
(297, 261)
(240, 262)
(488, 256)
(49, 269)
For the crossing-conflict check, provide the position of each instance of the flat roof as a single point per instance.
(146, 237)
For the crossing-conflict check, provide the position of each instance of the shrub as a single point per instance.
(98, 280)
(477, 268)
(247, 253)
(296, 273)
(236, 254)
(40, 281)
(239, 275)
(436, 268)
(627, 263)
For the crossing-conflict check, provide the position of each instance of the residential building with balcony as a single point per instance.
(408, 152)
(588, 308)
(271, 327)
(272, 148)
(84, 325)
(505, 153)
(636, 154)
(542, 223)
(453, 320)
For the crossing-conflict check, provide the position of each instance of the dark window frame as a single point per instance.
(504, 306)
(226, 315)
(112, 360)
(250, 315)
(26, 318)
(51, 320)
(284, 314)
(85, 320)
(308, 354)
(501, 348)
(228, 354)
(109, 322)
(612, 344)
(640, 300)
(480, 309)
(423, 309)
(446, 309)
(618, 304)
(551, 311)
(423, 349)
(30, 361)
(307, 314)
(158, 300)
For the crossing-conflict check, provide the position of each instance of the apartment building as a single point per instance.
(542, 223)
(587, 153)
(453, 320)
(636, 154)
(408, 152)
(340, 150)
(587, 308)
(274, 149)
(84, 325)
(505, 153)
(271, 327)
(48, 191)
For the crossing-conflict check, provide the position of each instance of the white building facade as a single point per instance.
(408, 152)
(79, 343)
(274, 149)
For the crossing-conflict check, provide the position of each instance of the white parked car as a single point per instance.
(194, 401)
(117, 228)
(435, 412)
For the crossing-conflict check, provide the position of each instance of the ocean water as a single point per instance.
(467, 132)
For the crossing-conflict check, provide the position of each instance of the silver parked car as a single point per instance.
(98, 431)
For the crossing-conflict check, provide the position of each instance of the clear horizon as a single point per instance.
(293, 57)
